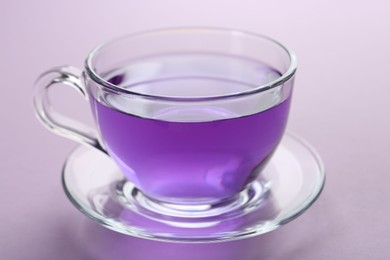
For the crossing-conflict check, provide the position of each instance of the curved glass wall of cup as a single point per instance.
(189, 75)
(210, 55)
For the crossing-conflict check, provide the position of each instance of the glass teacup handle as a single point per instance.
(56, 122)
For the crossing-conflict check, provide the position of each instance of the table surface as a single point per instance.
(340, 106)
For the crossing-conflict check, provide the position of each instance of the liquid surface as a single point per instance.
(192, 75)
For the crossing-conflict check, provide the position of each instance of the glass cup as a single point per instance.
(190, 116)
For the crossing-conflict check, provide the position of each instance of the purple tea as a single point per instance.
(196, 152)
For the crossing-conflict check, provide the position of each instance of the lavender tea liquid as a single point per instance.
(198, 152)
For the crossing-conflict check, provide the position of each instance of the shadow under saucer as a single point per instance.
(103, 244)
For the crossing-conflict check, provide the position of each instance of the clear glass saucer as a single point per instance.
(288, 186)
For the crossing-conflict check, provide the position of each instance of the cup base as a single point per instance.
(133, 199)
(289, 184)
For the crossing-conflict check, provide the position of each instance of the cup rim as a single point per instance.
(290, 72)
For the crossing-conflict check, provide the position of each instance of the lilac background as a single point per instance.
(340, 105)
